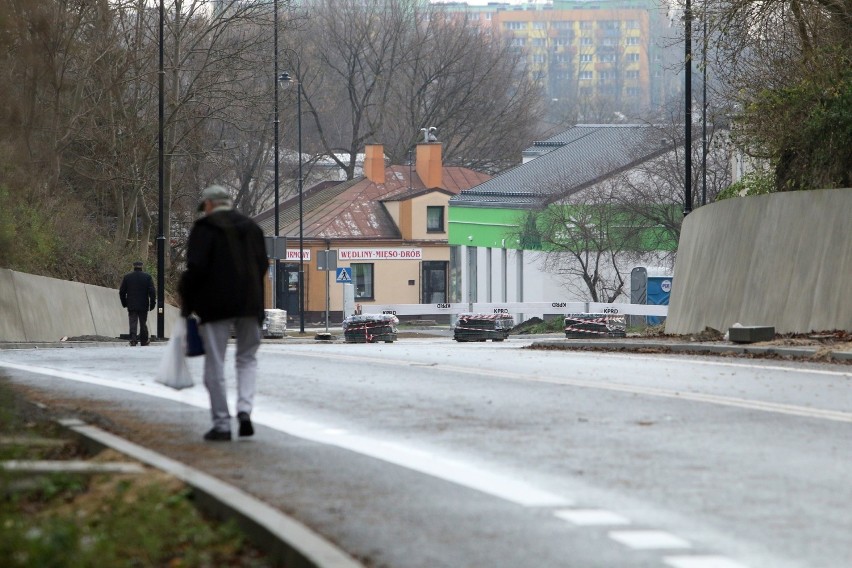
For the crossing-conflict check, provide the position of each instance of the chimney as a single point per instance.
(374, 163)
(429, 166)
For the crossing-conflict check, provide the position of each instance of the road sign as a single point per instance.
(327, 260)
(344, 275)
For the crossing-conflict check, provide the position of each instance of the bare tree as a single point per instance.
(589, 239)
(380, 71)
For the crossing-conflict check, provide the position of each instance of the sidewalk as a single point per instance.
(820, 353)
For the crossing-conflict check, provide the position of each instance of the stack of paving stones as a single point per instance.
(587, 326)
(370, 328)
(481, 327)
(274, 323)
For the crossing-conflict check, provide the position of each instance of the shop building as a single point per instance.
(389, 227)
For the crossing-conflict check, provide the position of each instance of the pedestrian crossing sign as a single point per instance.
(344, 275)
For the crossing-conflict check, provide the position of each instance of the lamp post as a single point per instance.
(275, 121)
(161, 239)
(687, 188)
(704, 115)
(286, 77)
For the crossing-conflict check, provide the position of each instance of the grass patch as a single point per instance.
(119, 520)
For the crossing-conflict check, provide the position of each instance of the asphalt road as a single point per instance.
(425, 452)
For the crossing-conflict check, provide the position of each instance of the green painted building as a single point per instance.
(494, 228)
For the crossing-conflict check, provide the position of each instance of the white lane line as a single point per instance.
(648, 540)
(701, 562)
(453, 470)
(736, 402)
(591, 517)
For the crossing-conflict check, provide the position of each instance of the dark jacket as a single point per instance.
(225, 266)
(137, 292)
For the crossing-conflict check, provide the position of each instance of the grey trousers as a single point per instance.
(215, 336)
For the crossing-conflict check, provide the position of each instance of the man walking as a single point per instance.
(138, 295)
(223, 284)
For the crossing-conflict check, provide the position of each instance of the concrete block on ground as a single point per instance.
(751, 334)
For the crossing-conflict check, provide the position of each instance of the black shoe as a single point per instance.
(218, 436)
(133, 344)
(144, 343)
(246, 428)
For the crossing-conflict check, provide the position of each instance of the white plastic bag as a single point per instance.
(173, 371)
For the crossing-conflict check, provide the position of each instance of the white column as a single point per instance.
(504, 277)
(519, 275)
(489, 276)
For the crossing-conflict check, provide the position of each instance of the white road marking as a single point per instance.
(450, 469)
(701, 562)
(749, 404)
(649, 540)
(591, 517)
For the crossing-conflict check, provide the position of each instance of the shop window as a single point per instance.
(362, 278)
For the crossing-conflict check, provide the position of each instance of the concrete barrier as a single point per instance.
(783, 260)
(11, 323)
(39, 308)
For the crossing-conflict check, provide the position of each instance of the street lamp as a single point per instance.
(275, 122)
(285, 77)
(687, 188)
(161, 239)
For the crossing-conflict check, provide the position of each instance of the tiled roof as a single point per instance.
(353, 209)
(569, 162)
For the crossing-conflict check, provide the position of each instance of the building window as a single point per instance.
(539, 25)
(435, 219)
(516, 25)
(586, 59)
(585, 75)
(586, 25)
(518, 42)
(538, 42)
(633, 41)
(631, 74)
(362, 278)
(632, 57)
(607, 58)
(587, 41)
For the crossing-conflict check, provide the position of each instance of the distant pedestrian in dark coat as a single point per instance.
(138, 295)
(223, 284)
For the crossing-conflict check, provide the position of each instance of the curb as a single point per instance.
(284, 539)
(694, 348)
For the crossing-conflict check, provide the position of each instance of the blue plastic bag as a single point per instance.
(194, 344)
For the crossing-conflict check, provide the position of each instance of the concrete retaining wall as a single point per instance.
(38, 308)
(783, 260)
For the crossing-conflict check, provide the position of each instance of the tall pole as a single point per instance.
(301, 231)
(275, 128)
(687, 143)
(161, 238)
(704, 116)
